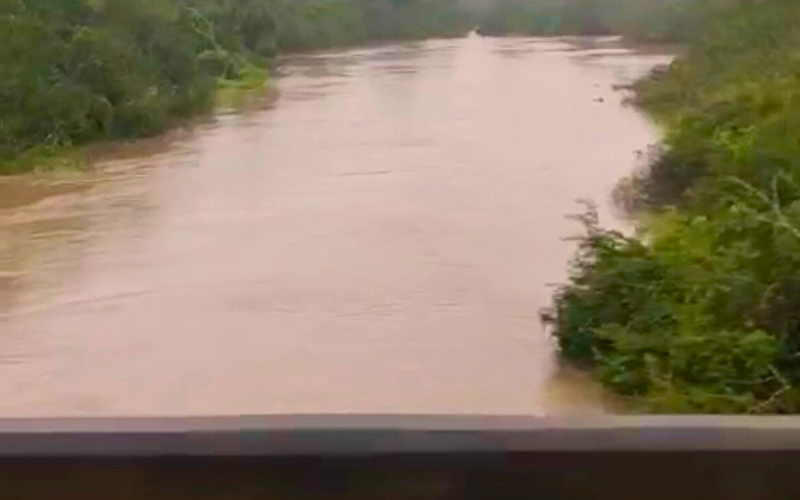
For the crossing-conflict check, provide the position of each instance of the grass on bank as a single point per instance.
(232, 93)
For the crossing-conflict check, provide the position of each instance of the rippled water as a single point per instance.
(378, 239)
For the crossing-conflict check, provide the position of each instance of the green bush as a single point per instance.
(77, 70)
(697, 311)
(692, 313)
(730, 106)
(74, 71)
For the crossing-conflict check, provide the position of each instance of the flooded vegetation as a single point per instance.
(78, 71)
(380, 238)
(385, 228)
(697, 312)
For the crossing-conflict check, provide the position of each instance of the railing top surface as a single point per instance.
(368, 435)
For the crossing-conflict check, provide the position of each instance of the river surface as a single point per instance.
(379, 238)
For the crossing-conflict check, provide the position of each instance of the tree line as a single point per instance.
(75, 71)
(643, 20)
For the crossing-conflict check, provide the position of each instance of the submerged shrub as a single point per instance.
(693, 313)
(697, 311)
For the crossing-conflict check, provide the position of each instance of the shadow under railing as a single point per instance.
(401, 457)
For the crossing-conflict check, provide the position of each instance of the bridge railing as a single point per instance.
(401, 457)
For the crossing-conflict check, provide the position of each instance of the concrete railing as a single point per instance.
(400, 457)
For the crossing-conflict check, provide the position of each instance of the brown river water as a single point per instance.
(378, 238)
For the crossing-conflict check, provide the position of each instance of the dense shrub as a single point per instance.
(698, 310)
(78, 70)
(693, 314)
(730, 106)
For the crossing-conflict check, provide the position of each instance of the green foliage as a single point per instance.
(645, 20)
(329, 23)
(74, 71)
(730, 106)
(322, 24)
(698, 310)
(688, 316)
(235, 93)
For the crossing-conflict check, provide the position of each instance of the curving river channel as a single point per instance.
(376, 238)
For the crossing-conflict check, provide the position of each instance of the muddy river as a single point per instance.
(378, 237)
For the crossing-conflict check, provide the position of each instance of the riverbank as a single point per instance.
(696, 312)
(254, 89)
(382, 224)
(80, 72)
